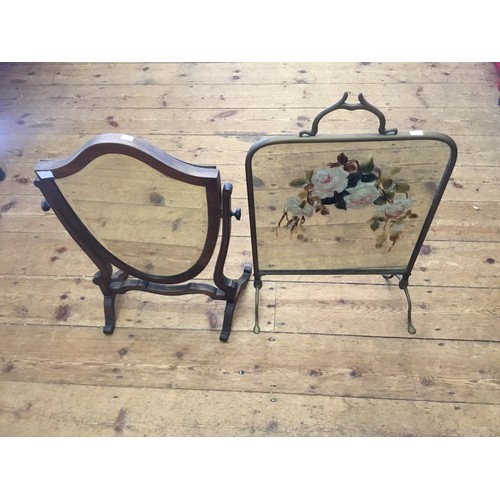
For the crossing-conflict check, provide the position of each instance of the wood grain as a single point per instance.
(334, 357)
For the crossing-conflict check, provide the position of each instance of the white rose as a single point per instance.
(294, 206)
(327, 181)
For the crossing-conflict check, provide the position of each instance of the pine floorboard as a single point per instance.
(333, 357)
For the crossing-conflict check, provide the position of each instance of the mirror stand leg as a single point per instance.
(103, 279)
(109, 314)
(228, 321)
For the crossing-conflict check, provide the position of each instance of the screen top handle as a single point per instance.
(363, 104)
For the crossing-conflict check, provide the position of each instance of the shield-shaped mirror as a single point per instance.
(153, 217)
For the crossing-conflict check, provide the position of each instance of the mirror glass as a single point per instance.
(153, 223)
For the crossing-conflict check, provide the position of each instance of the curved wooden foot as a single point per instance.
(228, 321)
(109, 314)
(241, 283)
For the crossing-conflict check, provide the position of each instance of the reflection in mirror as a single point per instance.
(151, 222)
(343, 205)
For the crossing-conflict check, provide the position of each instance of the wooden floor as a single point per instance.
(334, 357)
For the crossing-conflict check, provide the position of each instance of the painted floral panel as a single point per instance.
(347, 205)
(347, 184)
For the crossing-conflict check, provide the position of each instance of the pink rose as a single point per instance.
(361, 195)
(396, 209)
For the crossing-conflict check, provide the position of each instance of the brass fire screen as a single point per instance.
(345, 204)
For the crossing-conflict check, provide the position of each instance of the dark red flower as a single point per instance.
(342, 159)
(351, 166)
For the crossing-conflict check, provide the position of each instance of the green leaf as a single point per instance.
(375, 225)
(367, 166)
(395, 170)
(309, 174)
(402, 187)
(380, 201)
(380, 240)
(299, 182)
(386, 183)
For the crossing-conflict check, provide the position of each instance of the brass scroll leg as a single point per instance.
(403, 285)
(258, 286)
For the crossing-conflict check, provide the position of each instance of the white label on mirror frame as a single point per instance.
(416, 132)
(125, 137)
